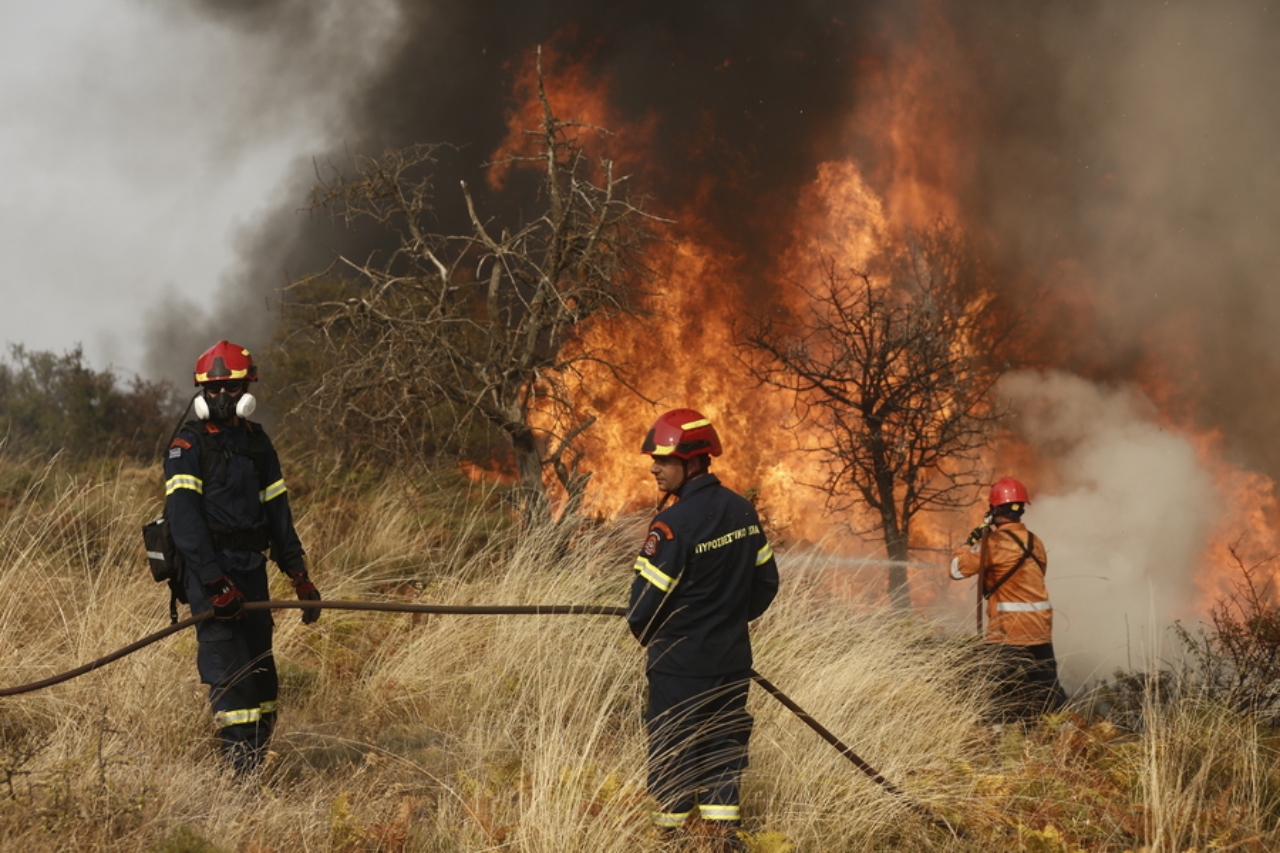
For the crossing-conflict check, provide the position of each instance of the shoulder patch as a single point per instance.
(653, 541)
(180, 442)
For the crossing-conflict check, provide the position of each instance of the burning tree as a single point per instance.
(896, 372)
(449, 331)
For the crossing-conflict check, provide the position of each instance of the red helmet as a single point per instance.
(225, 360)
(683, 433)
(1008, 491)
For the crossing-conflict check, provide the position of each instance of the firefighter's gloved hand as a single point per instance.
(227, 601)
(306, 591)
(975, 535)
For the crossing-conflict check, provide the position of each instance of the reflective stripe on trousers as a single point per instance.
(243, 716)
(708, 812)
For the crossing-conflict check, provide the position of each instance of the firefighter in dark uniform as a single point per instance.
(226, 502)
(705, 571)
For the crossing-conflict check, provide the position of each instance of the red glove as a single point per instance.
(306, 591)
(227, 601)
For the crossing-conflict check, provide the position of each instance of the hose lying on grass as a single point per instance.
(486, 610)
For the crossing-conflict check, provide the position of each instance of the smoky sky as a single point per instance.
(746, 105)
(1122, 157)
(1136, 145)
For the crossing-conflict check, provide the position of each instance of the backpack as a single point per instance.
(165, 560)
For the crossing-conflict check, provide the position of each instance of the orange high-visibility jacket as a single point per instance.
(1018, 613)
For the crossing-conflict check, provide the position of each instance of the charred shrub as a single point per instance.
(1127, 698)
(1235, 658)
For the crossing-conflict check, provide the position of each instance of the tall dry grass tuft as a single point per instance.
(1207, 771)
(902, 695)
(451, 732)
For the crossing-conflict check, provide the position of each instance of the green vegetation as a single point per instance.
(57, 403)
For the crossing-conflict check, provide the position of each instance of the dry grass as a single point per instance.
(523, 733)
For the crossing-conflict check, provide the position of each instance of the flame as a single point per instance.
(686, 358)
(1245, 528)
(1243, 503)
(683, 356)
(493, 471)
(575, 96)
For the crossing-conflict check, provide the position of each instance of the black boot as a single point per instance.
(244, 747)
(728, 840)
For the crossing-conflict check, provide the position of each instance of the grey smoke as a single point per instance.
(285, 71)
(748, 105)
(1134, 167)
(1122, 150)
(1125, 509)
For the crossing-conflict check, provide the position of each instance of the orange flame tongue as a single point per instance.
(684, 355)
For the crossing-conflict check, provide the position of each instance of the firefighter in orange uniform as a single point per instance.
(1010, 562)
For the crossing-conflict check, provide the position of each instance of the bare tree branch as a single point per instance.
(897, 372)
(447, 333)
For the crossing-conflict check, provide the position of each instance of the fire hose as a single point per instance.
(484, 609)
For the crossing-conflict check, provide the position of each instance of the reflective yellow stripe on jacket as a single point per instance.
(183, 481)
(660, 579)
(195, 484)
(272, 492)
(1023, 606)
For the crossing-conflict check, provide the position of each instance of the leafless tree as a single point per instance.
(896, 371)
(447, 333)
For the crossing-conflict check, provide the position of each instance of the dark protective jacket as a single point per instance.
(705, 571)
(236, 508)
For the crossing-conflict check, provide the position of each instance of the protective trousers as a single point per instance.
(1026, 683)
(698, 731)
(235, 659)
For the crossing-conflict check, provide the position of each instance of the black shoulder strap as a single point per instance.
(1028, 553)
(213, 458)
(258, 452)
(214, 455)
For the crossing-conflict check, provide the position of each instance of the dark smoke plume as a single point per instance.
(746, 105)
(1123, 155)
(1128, 150)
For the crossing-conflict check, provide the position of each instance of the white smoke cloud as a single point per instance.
(1125, 509)
(142, 141)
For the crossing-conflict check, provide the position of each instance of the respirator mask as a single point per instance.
(223, 400)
